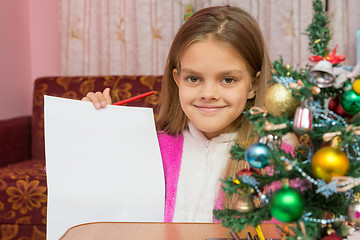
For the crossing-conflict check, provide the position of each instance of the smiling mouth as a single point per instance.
(210, 108)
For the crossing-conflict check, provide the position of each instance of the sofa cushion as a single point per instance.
(74, 87)
(22, 232)
(15, 136)
(23, 193)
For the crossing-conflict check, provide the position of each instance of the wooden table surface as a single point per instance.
(159, 231)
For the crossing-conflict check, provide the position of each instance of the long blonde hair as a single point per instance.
(239, 30)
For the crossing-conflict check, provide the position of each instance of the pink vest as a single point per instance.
(171, 149)
(171, 152)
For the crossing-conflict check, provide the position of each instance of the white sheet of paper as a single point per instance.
(102, 165)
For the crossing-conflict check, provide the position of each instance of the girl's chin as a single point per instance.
(211, 132)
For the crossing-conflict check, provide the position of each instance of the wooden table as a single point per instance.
(159, 231)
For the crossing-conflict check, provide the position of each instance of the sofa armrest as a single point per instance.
(15, 140)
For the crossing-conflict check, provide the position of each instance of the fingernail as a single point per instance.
(98, 105)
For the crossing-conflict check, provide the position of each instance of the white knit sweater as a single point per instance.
(202, 165)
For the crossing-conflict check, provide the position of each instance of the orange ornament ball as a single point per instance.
(328, 162)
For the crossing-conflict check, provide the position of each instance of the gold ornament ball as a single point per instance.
(279, 101)
(356, 86)
(328, 162)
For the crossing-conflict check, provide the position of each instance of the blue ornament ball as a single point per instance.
(257, 155)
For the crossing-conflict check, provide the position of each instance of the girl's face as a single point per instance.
(214, 85)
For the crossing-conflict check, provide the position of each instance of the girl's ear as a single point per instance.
(251, 94)
(176, 76)
(254, 87)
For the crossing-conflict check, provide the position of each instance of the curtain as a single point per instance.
(133, 37)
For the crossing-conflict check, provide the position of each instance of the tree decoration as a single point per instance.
(287, 204)
(303, 120)
(356, 86)
(301, 136)
(354, 212)
(323, 74)
(280, 101)
(332, 236)
(249, 172)
(257, 155)
(189, 11)
(328, 162)
(244, 202)
(350, 100)
(332, 58)
(335, 106)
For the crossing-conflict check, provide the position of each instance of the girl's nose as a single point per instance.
(209, 91)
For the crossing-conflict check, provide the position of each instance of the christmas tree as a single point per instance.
(308, 150)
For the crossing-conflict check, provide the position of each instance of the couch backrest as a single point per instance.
(76, 87)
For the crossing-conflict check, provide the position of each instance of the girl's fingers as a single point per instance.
(98, 99)
(107, 96)
(101, 98)
(94, 98)
(85, 99)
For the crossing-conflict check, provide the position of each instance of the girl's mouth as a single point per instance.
(210, 109)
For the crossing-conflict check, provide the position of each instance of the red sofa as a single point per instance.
(23, 189)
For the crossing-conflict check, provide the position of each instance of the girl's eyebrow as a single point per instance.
(231, 72)
(189, 71)
(228, 72)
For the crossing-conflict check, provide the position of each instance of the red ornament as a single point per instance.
(248, 171)
(333, 58)
(332, 236)
(335, 106)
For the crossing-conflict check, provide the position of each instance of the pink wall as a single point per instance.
(44, 38)
(29, 48)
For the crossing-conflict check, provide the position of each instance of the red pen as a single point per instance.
(134, 98)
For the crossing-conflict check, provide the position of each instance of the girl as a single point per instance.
(216, 68)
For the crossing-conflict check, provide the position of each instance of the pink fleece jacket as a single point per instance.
(171, 152)
(171, 149)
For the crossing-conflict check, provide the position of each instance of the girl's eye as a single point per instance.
(193, 79)
(228, 80)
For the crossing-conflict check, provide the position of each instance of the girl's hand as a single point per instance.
(99, 99)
